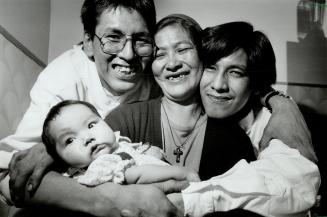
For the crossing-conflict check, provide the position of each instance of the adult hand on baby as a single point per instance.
(135, 200)
(287, 124)
(177, 200)
(172, 186)
(27, 168)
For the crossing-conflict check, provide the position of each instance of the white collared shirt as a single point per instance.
(281, 182)
(70, 76)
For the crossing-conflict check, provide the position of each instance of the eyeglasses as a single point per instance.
(114, 43)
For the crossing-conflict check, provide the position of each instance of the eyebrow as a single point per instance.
(240, 66)
(91, 117)
(87, 120)
(118, 31)
(66, 131)
(63, 133)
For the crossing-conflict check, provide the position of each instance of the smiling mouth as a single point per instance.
(177, 77)
(218, 98)
(125, 72)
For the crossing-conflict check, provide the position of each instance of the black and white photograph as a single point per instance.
(163, 108)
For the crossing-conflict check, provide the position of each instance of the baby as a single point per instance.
(74, 133)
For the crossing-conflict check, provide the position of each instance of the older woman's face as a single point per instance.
(225, 86)
(176, 66)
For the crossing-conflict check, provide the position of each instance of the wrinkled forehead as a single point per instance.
(172, 35)
(174, 27)
(122, 19)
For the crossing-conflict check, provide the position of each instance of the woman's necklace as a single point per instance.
(179, 148)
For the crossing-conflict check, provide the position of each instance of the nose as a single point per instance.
(220, 83)
(173, 63)
(127, 53)
(88, 139)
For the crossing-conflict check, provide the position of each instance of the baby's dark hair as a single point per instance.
(47, 138)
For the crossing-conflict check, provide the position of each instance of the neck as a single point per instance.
(109, 89)
(185, 114)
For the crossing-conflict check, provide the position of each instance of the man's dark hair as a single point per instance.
(92, 9)
(47, 138)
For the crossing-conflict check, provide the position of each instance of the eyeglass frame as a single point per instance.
(125, 38)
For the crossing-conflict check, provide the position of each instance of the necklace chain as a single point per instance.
(179, 148)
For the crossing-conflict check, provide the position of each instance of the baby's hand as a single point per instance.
(192, 176)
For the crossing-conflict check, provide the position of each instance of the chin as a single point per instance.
(217, 113)
(121, 87)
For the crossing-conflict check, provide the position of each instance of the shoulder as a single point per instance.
(136, 107)
(133, 114)
(66, 70)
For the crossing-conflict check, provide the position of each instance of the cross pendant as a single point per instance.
(178, 152)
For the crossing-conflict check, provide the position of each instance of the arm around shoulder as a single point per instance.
(295, 132)
(58, 191)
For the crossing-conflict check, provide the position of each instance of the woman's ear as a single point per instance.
(88, 45)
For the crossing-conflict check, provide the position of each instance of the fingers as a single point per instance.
(38, 173)
(35, 179)
(150, 202)
(128, 213)
(17, 185)
(313, 157)
(172, 186)
(26, 169)
(307, 151)
(18, 178)
(16, 158)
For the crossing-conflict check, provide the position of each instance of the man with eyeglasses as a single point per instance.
(114, 43)
(110, 67)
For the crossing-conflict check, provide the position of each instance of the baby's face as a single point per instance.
(81, 136)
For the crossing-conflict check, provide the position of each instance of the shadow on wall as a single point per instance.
(317, 125)
(306, 59)
(307, 81)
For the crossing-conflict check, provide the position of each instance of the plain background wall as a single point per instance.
(65, 26)
(28, 21)
(277, 18)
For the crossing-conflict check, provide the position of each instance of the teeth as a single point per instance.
(124, 69)
(177, 77)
